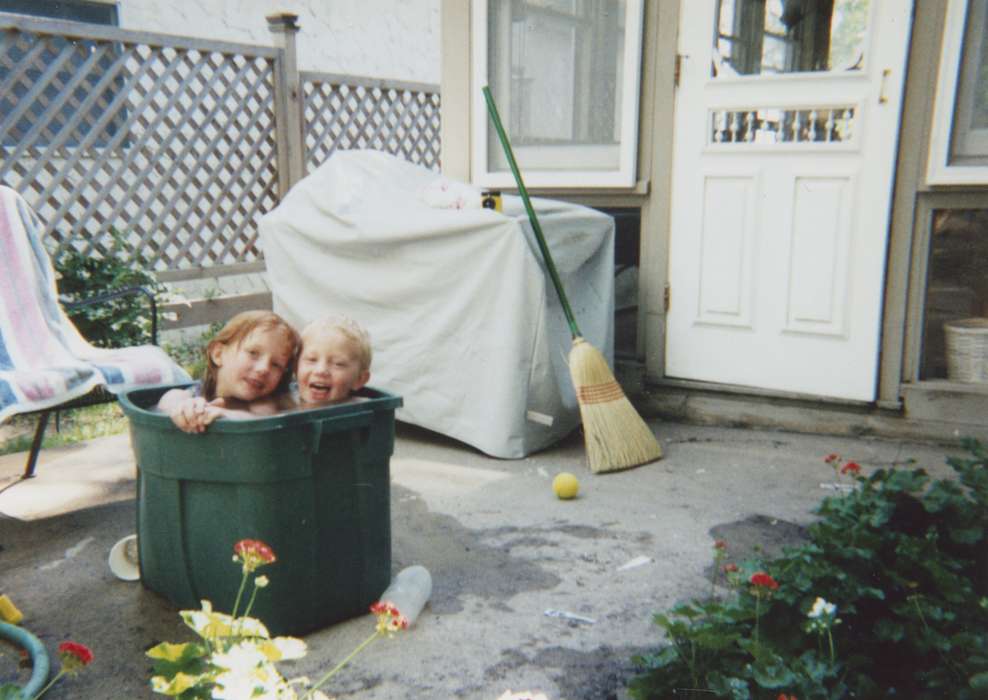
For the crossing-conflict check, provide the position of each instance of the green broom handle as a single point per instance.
(556, 282)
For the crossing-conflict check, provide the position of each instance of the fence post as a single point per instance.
(288, 103)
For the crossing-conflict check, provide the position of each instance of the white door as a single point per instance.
(787, 115)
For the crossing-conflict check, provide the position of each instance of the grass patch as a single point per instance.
(77, 425)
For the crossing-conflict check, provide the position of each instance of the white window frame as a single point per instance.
(623, 177)
(939, 169)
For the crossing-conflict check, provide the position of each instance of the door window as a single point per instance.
(763, 37)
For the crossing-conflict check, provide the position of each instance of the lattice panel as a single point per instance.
(401, 120)
(172, 146)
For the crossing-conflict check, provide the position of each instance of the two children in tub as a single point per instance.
(249, 369)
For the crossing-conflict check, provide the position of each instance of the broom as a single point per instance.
(616, 436)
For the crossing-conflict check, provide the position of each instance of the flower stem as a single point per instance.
(250, 603)
(758, 601)
(341, 664)
(922, 618)
(50, 684)
(240, 593)
(830, 640)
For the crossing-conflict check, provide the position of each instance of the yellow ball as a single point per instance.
(565, 486)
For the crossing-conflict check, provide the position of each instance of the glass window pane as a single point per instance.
(760, 37)
(556, 68)
(969, 136)
(956, 290)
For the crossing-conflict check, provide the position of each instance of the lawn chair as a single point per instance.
(45, 364)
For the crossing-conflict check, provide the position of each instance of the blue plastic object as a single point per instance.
(40, 664)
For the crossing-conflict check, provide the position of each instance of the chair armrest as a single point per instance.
(116, 294)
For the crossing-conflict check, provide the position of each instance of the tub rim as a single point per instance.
(375, 400)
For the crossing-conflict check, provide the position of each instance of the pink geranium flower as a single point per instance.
(252, 554)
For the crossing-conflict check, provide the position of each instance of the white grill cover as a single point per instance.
(464, 322)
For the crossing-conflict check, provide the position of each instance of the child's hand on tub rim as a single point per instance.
(194, 414)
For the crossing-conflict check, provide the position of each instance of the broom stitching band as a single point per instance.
(599, 393)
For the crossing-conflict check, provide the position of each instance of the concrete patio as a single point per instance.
(501, 548)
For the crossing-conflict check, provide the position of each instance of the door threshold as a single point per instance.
(697, 385)
(708, 403)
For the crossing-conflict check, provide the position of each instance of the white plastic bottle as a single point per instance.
(409, 592)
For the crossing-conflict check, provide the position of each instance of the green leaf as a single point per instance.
(9, 691)
(665, 657)
(773, 675)
(979, 681)
(970, 535)
(889, 630)
(728, 686)
(717, 638)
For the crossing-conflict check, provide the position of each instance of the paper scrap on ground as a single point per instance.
(637, 561)
(838, 487)
(569, 616)
(69, 553)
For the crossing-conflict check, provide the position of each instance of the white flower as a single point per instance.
(243, 658)
(247, 673)
(261, 581)
(820, 608)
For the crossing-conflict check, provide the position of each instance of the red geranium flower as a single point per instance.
(832, 457)
(720, 544)
(851, 468)
(783, 696)
(252, 554)
(74, 656)
(730, 568)
(389, 620)
(763, 580)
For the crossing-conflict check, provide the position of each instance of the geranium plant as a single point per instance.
(901, 558)
(235, 656)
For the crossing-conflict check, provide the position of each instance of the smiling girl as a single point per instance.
(248, 363)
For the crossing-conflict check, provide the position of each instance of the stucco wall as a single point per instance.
(392, 39)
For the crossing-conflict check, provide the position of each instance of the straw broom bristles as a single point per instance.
(616, 436)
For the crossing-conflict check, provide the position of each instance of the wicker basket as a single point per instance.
(967, 350)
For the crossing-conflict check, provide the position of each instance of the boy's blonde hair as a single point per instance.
(348, 328)
(234, 332)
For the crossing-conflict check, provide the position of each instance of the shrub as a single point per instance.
(887, 599)
(119, 322)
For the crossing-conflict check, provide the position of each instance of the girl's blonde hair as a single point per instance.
(234, 332)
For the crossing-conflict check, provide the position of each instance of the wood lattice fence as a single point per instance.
(176, 146)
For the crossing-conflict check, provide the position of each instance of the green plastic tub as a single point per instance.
(314, 485)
